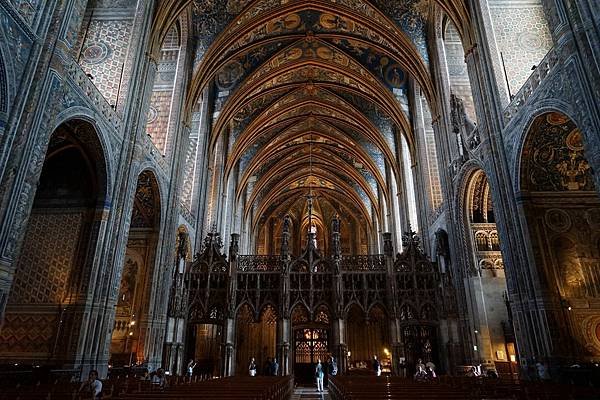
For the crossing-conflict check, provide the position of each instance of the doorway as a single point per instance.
(311, 344)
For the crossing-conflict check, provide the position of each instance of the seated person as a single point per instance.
(160, 378)
(145, 375)
(430, 372)
(92, 386)
(421, 374)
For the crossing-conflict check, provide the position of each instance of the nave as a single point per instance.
(194, 186)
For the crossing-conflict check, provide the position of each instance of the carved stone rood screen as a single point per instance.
(311, 302)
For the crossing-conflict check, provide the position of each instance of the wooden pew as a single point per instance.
(251, 388)
(451, 388)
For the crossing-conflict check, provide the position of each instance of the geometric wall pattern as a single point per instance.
(190, 162)
(162, 95)
(103, 55)
(158, 118)
(28, 333)
(47, 258)
(522, 36)
(432, 161)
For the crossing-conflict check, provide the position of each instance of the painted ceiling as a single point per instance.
(309, 96)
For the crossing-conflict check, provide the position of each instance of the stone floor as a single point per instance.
(309, 392)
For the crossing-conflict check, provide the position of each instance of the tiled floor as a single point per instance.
(309, 392)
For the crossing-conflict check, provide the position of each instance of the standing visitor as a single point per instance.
(252, 367)
(274, 367)
(319, 374)
(376, 366)
(190, 369)
(333, 367)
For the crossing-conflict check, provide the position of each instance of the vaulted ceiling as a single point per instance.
(310, 94)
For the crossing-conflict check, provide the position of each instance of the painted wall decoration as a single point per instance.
(554, 158)
(145, 206)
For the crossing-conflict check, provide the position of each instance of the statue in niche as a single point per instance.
(286, 223)
(128, 281)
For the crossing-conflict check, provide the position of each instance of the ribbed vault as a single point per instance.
(308, 97)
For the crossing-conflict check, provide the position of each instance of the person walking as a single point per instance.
(319, 374)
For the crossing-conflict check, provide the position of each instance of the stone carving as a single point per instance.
(462, 124)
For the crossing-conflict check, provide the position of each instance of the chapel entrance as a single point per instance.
(311, 337)
(420, 342)
(310, 346)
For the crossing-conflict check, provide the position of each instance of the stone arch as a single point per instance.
(4, 95)
(7, 80)
(54, 269)
(367, 336)
(561, 208)
(86, 115)
(256, 333)
(486, 281)
(129, 346)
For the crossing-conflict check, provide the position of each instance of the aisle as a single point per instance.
(309, 392)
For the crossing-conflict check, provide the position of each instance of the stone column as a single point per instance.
(392, 305)
(532, 310)
(202, 177)
(229, 334)
(284, 340)
(284, 324)
(228, 351)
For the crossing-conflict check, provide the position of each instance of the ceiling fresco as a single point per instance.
(309, 96)
(211, 17)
